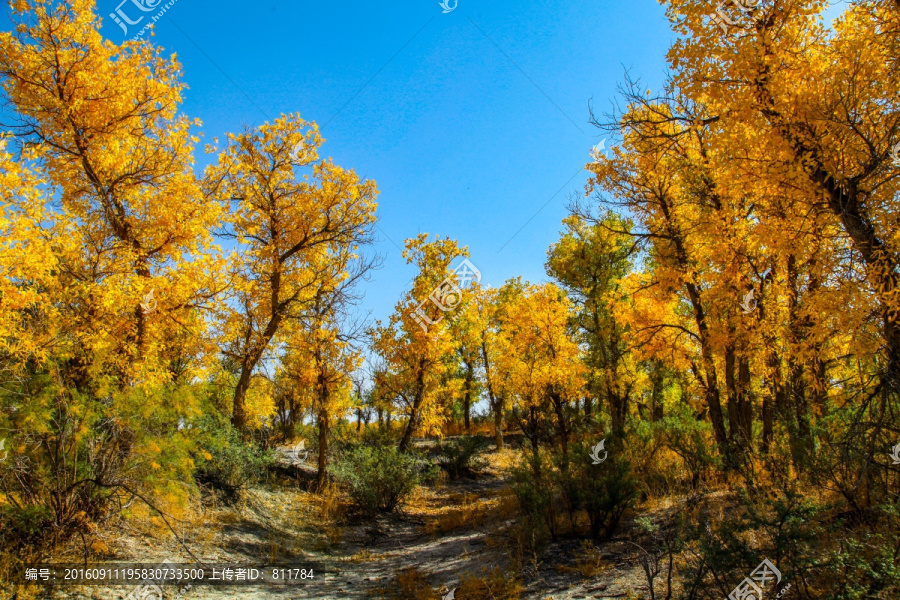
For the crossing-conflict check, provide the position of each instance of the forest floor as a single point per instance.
(457, 532)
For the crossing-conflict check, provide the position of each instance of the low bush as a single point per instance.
(490, 584)
(226, 464)
(547, 487)
(692, 441)
(464, 456)
(533, 487)
(377, 478)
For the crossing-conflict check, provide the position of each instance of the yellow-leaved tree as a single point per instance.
(544, 373)
(109, 259)
(415, 345)
(320, 356)
(289, 231)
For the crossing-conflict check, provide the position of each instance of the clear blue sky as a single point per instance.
(461, 141)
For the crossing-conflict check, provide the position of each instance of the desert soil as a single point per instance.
(446, 532)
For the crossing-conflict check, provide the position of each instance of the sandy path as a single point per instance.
(354, 556)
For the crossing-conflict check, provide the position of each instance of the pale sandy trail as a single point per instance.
(368, 553)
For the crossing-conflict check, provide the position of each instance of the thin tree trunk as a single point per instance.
(497, 402)
(323, 452)
(467, 398)
(416, 405)
(745, 402)
(560, 409)
(238, 414)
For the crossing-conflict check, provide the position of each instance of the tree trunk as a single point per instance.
(252, 357)
(416, 405)
(711, 380)
(745, 401)
(498, 423)
(238, 414)
(560, 409)
(497, 402)
(731, 392)
(467, 398)
(768, 423)
(323, 452)
(657, 378)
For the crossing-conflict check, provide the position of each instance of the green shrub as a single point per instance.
(692, 440)
(604, 491)
(819, 554)
(226, 464)
(378, 478)
(532, 483)
(546, 486)
(463, 457)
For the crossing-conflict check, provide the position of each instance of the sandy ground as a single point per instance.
(353, 557)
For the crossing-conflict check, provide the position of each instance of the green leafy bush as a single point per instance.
(533, 487)
(692, 440)
(604, 491)
(464, 456)
(378, 478)
(227, 464)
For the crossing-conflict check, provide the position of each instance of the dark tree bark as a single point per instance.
(415, 407)
(467, 398)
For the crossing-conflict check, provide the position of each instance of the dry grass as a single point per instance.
(332, 503)
(467, 510)
(454, 428)
(408, 584)
(588, 562)
(502, 461)
(493, 584)
(364, 555)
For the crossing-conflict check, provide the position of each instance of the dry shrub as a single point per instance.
(588, 561)
(493, 584)
(408, 584)
(454, 428)
(523, 546)
(330, 502)
(473, 512)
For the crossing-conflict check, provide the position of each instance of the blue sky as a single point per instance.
(478, 121)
